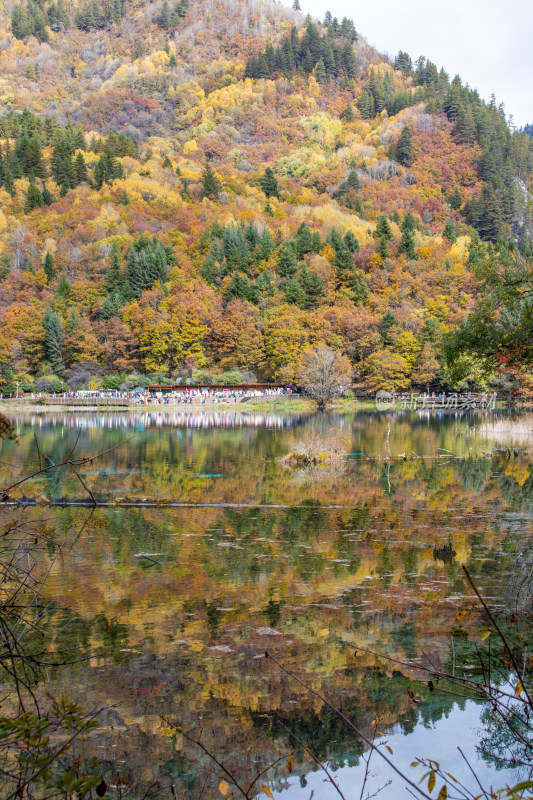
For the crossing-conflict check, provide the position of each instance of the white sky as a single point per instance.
(487, 42)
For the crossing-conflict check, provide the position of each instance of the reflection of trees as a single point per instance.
(324, 732)
(506, 746)
(474, 473)
(132, 532)
(519, 498)
(325, 578)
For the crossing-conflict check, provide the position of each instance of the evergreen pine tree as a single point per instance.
(349, 61)
(404, 147)
(49, 270)
(294, 293)
(351, 242)
(365, 104)
(80, 168)
(48, 198)
(449, 232)
(53, 341)
(34, 197)
(387, 322)
(407, 244)
(114, 277)
(286, 261)
(455, 199)
(312, 286)
(383, 228)
(164, 17)
(359, 287)
(320, 72)
(383, 251)
(343, 262)
(348, 113)
(304, 241)
(63, 288)
(5, 264)
(268, 183)
(211, 184)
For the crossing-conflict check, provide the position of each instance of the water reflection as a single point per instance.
(155, 419)
(173, 608)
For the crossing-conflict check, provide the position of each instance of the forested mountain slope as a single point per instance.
(196, 188)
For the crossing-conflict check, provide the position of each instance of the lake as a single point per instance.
(210, 549)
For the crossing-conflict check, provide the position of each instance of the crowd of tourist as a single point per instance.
(196, 396)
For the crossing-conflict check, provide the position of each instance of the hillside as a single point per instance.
(206, 187)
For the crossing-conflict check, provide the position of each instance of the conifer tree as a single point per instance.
(343, 262)
(211, 184)
(312, 286)
(5, 264)
(286, 261)
(304, 241)
(320, 72)
(383, 251)
(407, 244)
(49, 270)
(387, 322)
(268, 183)
(80, 168)
(114, 277)
(383, 228)
(53, 341)
(349, 61)
(365, 104)
(456, 199)
(34, 197)
(449, 231)
(48, 198)
(404, 147)
(164, 16)
(359, 287)
(351, 242)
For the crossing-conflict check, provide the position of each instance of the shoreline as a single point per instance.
(186, 408)
(279, 406)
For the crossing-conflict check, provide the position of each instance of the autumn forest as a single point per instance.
(206, 189)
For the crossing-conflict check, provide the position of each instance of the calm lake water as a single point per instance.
(168, 609)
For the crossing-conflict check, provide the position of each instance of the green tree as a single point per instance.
(210, 182)
(387, 322)
(34, 197)
(455, 199)
(49, 270)
(286, 261)
(268, 183)
(404, 147)
(164, 16)
(320, 72)
(383, 229)
(80, 169)
(365, 104)
(53, 341)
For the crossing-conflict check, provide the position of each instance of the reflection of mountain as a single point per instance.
(174, 606)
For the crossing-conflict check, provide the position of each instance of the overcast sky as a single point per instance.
(488, 42)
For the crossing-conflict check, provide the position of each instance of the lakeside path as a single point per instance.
(278, 406)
